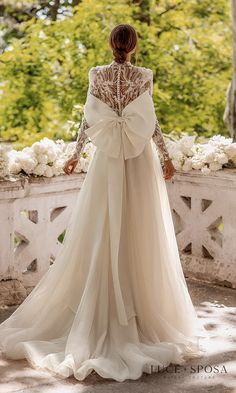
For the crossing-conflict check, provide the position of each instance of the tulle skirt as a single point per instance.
(69, 323)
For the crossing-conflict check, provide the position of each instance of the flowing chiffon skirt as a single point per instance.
(69, 322)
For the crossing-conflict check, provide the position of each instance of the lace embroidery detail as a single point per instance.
(157, 135)
(81, 139)
(159, 141)
(119, 84)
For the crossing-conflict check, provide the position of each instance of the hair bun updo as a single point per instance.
(119, 55)
(123, 39)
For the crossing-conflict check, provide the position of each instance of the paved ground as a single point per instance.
(214, 373)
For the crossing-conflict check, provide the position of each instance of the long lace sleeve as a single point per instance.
(81, 139)
(82, 136)
(159, 142)
(157, 135)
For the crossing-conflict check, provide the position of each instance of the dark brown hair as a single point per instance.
(123, 38)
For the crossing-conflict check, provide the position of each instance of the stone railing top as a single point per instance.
(19, 186)
(223, 177)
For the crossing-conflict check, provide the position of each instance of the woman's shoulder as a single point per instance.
(95, 69)
(146, 71)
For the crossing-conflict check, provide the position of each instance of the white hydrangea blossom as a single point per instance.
(230, 151)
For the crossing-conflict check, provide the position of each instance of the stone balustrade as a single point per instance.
(35, 211)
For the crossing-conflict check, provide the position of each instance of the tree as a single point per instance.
(46, 72)
(13, 14)
(191, 62)
(230, 110)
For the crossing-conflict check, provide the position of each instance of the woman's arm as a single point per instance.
(159, 142)
(81, 140)
(158, 139)
(82, 137)
(157, 135)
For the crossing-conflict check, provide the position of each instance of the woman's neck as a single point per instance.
(128, 57)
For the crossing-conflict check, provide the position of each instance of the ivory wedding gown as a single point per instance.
(115, 300)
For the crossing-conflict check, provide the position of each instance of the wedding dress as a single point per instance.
(115, 301)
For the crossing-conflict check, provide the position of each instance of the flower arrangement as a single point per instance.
(217, 153)
(47, 158)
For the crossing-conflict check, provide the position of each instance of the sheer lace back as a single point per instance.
(117, 85)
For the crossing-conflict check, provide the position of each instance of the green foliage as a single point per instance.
(189, 50)
(187, 44)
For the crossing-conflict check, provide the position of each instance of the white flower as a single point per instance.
(220, 140)
(209, 154)
(197, 163)
(172, 148)
(40, 169)
(187, 166)
(221, 158)
(60, 142)
(70, 148)
(48, 171)
(230, 150)
(215, 166)
(52, 155)
(27, 162)
(84, 164)
(205, 170)
(57, 168)
(27, 150)
(179, 156)
(28, 165)
(39, 148)
(42, 158)
(57, 171)
(186, 143)
(89, 148)
(14, 167)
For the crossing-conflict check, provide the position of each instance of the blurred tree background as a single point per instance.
(48, 47)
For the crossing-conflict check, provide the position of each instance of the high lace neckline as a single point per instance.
(125, 63)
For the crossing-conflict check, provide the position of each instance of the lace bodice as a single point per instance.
(117, 85)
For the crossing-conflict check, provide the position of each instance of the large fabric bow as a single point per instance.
(120, 138)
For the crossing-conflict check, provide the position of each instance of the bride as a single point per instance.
(115, 301)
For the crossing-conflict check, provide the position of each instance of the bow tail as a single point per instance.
(115, 198)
